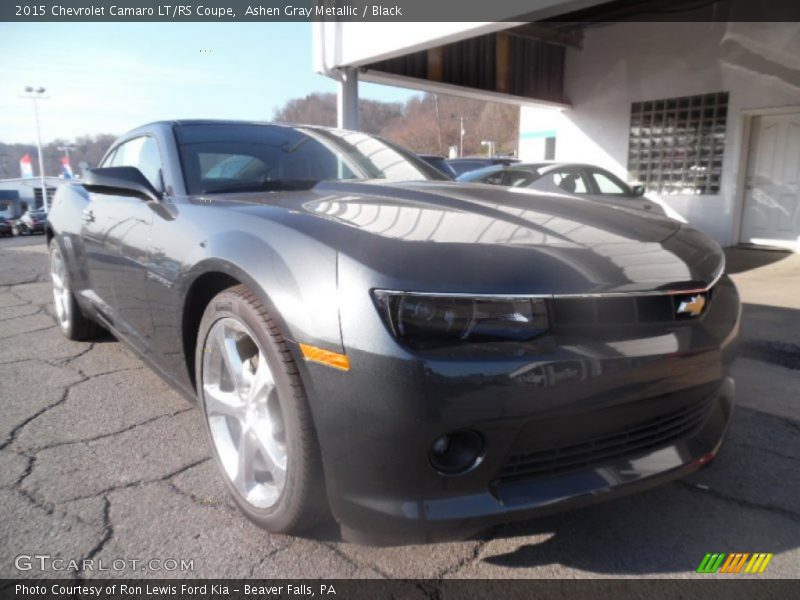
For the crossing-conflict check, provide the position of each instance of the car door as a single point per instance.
(116, 234)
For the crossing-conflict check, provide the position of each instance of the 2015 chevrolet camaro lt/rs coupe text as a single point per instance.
(421, 357)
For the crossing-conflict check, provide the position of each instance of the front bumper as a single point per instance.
(444, 518)
(557, 417)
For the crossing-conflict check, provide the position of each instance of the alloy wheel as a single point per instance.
(61, 292)
(243, 411)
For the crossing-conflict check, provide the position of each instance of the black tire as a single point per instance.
(76, 326)
(303, 502)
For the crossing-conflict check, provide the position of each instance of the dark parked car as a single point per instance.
(465, 165)
(440, 163)
(32, 221)
(423, 357)
(586, 181)
(6, 228)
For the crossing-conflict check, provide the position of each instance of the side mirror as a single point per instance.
(638, 190)
(120, 181)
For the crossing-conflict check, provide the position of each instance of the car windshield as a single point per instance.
(479, 173)
(223, 158)
(465, 166)
(441, 164)
(514, 175)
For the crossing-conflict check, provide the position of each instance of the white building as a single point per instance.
(705, 114)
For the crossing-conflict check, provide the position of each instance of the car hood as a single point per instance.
(443, 236)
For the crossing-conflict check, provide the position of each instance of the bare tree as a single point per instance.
(424, 124)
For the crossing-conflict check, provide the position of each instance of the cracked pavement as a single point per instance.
(100, 459)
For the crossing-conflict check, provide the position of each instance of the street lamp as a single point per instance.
(66, 149)
(36, 94)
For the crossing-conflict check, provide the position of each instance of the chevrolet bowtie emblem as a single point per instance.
(693, 306)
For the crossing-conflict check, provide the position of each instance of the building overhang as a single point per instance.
(438, 87)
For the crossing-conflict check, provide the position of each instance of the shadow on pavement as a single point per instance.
(745, 258)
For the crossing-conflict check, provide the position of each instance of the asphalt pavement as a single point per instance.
(100, 460)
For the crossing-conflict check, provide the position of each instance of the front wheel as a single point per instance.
(72, 322)
(257, 415)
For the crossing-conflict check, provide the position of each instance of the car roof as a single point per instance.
(231, 122)
(483, 158)
(546, 163)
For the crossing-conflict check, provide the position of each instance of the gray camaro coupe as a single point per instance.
(419, 357)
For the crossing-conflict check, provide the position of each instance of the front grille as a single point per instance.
(632, 439)
(620, 310)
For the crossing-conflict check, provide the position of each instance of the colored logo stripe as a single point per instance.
(721, 562)
(711, 563)
(758, 563)
(735, 562)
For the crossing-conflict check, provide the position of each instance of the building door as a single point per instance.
(772, 189)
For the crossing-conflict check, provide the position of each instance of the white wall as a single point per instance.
(757, 63)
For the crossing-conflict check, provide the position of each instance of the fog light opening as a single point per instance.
(457, 452)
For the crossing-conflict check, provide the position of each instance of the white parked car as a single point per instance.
(583, 180)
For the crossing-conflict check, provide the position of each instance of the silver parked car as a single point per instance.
(585, 181)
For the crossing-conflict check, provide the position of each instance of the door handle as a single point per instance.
(88, 216)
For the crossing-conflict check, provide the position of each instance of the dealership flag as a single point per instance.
(66, 169)
(25, 166)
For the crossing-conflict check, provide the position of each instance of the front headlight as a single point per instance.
(431, 318)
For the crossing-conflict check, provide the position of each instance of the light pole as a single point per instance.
(461, 119)
(36, 94)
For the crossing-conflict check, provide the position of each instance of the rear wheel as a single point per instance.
(257, 416)
(73, 324)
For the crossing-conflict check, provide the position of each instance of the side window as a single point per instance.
(518, 178)
(142, 153)
(572, 182)
(607, 186)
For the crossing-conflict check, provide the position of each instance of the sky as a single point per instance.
(110, 78)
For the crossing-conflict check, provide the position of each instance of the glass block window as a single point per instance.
(676, 145)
